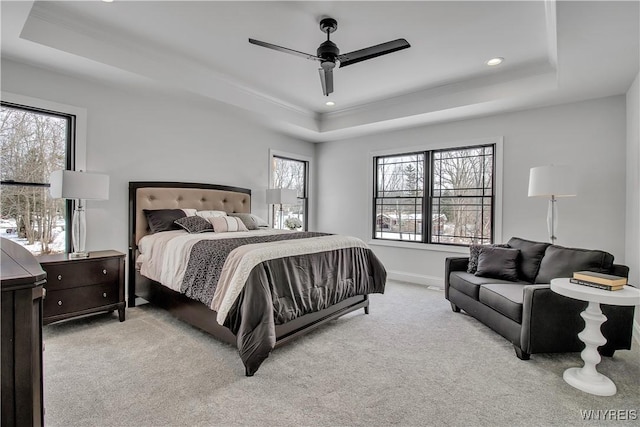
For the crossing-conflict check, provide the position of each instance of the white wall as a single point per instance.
(589, 135)
(144, 136)
(632, 246)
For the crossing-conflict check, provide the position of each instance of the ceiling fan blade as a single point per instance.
(372, 52)
(284, 49)
(326, 79)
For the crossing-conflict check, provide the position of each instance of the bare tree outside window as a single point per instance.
(458, 208)
(462, 195)
(32, 145)
(291, 174)
(400, 192)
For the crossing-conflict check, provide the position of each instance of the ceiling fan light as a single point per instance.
(495, 61)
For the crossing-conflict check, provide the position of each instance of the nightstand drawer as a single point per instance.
(81, 273)
(78, 299)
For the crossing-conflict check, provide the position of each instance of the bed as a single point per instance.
(269, 286)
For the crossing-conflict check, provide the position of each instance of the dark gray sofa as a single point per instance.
(525, 310)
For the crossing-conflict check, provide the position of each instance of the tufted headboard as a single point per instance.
(179, 195)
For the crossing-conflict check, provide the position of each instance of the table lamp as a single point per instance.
(281, 196)
(67, 184)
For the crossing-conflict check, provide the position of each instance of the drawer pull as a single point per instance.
(104, 271)
(59, 302)
(59, 276)
(104, 294)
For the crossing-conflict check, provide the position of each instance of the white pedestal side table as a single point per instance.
(587, 378)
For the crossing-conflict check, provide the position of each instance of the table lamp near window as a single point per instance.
(281, 196)
(552, 181)
(81, 186)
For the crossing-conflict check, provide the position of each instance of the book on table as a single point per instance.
(600, 278)
(596, 285)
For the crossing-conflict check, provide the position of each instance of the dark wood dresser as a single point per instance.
(22, 281)
(78, 286)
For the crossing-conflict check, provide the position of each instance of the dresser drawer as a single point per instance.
(78, 299)
(81, 273)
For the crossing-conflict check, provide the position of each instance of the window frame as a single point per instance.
(425, 243)
(307, 161)
(76, 140)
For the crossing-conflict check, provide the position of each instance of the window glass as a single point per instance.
(33, 143)
(462, 195)
(457, 208)
(292, 174)
(399, 199)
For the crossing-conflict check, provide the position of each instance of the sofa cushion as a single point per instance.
(469, 284)
(498, 262)
(531, 254)
(505, 298)
(474, 253)
(559, 261)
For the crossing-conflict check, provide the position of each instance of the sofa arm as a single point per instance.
(551, 323)
(620, 270)
(453, 264)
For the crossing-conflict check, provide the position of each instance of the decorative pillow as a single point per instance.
(247, 219)
(223, 224)
(259, 221)
(194, 224)
(210, 214)
(163, 219)
(499, 263)
(474, 252)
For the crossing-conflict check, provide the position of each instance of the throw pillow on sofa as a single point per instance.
(498, 263)
(474, 253)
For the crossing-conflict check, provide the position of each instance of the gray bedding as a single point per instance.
(282, 289)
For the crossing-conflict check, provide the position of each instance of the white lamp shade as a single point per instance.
(553, 180)
(66, 184)
(284, 196)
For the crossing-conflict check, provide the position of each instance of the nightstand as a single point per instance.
(78, 286)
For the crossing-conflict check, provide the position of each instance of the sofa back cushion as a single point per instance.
(559, 261)
(531, 254)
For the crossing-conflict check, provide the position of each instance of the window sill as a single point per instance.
(419, 246)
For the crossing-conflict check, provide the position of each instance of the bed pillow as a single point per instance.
(163, 219)
(194, 224)
(253, 222)
(474, 252)
(210, 214)
(224, 224)
(498, 263)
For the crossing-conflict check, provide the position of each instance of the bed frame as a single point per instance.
(178, 195)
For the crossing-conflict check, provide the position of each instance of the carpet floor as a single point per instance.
(410, 362)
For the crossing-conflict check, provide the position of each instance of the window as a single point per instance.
(33, 143)
(438, 196)
(292, 174)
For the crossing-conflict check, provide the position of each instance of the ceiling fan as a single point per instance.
(329, 55)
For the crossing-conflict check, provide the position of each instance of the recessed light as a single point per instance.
(108, 1)
(329, 103)
(495, 61)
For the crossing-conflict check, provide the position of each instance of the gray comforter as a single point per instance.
(279, 290)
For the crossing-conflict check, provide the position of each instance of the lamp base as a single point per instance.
(79, 255)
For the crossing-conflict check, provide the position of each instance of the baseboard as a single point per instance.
(419, 279)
